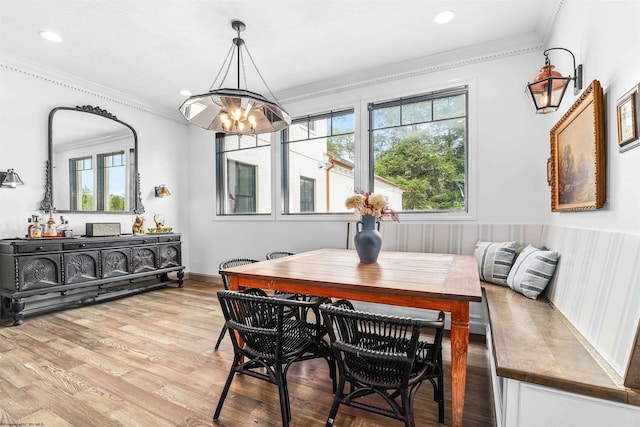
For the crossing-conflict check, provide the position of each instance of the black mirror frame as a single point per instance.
(47, 202)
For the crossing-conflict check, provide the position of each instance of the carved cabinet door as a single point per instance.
(38, 271)
(144, 258)
(170, 255)
(116, 262)
(81, 266)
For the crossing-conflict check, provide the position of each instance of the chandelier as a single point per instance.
(235, 111)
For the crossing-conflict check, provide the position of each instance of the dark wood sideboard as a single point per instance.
(40, 275)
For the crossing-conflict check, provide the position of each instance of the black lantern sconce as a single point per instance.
(548, 87)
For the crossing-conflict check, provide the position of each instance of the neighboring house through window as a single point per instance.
(243, 167)
(318, 151)
(307, 194)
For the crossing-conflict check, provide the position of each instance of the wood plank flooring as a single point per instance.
(148, 360)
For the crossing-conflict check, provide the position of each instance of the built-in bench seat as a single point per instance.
(530, 342)
(557, 361)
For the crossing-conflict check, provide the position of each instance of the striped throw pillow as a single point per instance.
(532, 271)
(494, 260)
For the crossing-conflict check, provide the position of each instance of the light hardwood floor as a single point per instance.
(148, 360)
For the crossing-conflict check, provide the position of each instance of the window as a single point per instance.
(307, 194)
(81, 180)
(243, 167)
(419, 151)
(102, 188)
(317, 156)
(111, 181)
(241, 183)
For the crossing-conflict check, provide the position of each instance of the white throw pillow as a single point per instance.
(494, 260)
(532, 271)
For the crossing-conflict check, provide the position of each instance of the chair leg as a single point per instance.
(407, 405)
(440, 399)
(222, 332)
(225, 390)
(337, 395)
(440, 390)
(285, 409)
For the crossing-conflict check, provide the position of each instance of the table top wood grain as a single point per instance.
(407, 274)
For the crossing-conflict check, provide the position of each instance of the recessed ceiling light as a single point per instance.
(444, 17)
(185, 92)
(50, 35)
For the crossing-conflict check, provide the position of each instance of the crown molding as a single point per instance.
(37, 71)
(551, 20)
(439, 62)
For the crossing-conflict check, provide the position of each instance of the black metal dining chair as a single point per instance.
(266, 342)
(278, 254)
(384, 361)
(302, 297)
(235, 262)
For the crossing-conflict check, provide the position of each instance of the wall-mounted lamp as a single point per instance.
(162, 191)
(10, 179)
(548, 87)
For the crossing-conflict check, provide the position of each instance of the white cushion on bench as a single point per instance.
(532, 271)
(494, 260)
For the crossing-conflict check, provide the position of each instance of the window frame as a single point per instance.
(284, 157)
(449, 90)
(359, 103)
(221, 177)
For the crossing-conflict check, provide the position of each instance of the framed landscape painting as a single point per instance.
(577, 154)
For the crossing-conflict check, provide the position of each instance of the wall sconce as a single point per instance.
(548, 87)
(10, 179)
(162, 191)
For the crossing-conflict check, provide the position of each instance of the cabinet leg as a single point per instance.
(16, 308)
(180, 276)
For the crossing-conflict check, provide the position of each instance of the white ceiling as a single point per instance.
(152, 49)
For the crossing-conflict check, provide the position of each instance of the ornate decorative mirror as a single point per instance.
(93, 163)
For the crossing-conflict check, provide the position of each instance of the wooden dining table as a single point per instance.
(444, 282)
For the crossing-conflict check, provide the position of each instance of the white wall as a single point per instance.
(604, 37)
(27, 94)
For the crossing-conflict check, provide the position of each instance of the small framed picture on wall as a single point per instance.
(627, 120)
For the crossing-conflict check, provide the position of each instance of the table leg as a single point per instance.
(234, 285)
(459, 350)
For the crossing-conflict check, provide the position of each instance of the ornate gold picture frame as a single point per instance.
(578, 154)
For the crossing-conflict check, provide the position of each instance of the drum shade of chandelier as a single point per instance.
(235, 111)
(548, 87)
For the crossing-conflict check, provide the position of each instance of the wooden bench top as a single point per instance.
(533, 342)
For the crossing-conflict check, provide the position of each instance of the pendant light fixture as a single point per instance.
(548, 87)
(235, 111)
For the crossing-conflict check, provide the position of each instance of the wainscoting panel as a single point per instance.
(597, 287)
(449, 238)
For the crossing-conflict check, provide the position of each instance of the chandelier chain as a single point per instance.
(259, 74)
(244, 74)
(228, 60)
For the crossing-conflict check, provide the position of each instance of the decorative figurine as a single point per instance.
(159, 220)
(138, 225)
